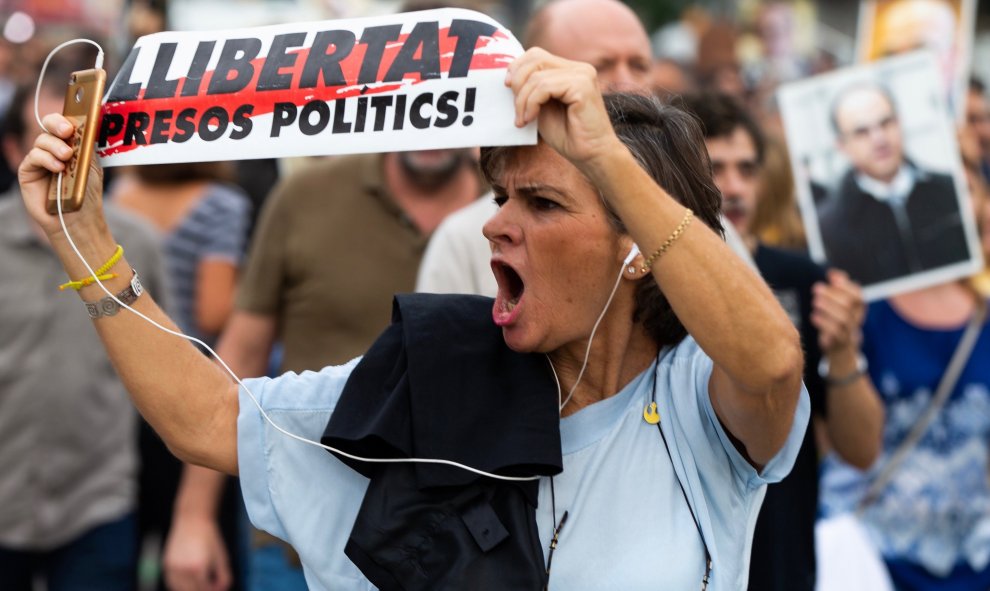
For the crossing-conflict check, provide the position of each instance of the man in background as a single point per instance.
(68, 433)
(604, 33)
(978, 121)
(828, 310)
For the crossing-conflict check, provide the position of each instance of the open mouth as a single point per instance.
(510, 292)
(511, 286)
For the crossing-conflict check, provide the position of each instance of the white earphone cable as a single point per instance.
(587, 350)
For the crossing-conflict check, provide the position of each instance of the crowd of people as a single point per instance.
(697, 393)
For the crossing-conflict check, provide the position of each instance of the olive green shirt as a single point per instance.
(331, 249)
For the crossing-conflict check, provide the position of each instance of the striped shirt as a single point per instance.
(215, 229)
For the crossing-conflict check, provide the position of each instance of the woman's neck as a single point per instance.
(617, 356)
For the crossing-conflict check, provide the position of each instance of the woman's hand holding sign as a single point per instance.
(564, 97)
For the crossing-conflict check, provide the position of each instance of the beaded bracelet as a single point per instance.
(101, 273)
(685, 221)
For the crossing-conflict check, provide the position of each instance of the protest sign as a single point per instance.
(893, 27)
(421, 80)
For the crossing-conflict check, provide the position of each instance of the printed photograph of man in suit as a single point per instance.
(887, 217)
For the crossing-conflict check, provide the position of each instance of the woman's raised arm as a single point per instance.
(722, 302)
(189, 401)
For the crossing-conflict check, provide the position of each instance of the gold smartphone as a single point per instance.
(82, 107)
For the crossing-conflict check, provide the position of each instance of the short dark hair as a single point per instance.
(721, 115)
(833, 111)
(668, 144)
(977, 85)
(13, 123)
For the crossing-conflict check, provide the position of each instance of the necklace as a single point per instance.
(556, 530)
(651, 416)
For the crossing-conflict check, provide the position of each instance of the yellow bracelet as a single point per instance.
(685, 221)
(101, 273)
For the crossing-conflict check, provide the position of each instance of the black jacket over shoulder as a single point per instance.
(441, 383)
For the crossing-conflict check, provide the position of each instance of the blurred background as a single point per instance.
(744, 48)
(748, 47)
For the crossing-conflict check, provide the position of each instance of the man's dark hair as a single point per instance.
(668, 144)
(721, 115)
(13, 124)
(833, 111)
(977, 85)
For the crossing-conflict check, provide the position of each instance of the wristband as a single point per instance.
(109, 307)
(100, 274)
(861, 367)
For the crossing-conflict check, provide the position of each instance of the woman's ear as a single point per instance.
(632, 254)
(632, 263)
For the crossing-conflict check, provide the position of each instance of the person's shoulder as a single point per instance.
(683, 354)
(10, 202)
(932, 177)
(228, 198)
(792, 265)
(142, 243)
(331, 169)
(130, 225)
(469, 218)
(314, 180)
(840, 194)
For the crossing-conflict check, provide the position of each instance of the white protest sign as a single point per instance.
(421, 80)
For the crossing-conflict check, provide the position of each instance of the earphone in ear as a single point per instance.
(632, 254)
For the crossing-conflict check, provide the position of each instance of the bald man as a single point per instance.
(604, 33)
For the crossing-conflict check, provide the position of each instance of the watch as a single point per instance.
(861, 367)
(109, 307)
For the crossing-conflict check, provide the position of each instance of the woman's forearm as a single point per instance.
(186, 398)
(854, 414)
(722, 302)
(189, 402)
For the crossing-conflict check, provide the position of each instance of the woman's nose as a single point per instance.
(502, 228)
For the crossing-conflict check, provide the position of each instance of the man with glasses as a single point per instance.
(887, 216)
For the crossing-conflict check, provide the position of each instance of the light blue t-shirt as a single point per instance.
(628, 525)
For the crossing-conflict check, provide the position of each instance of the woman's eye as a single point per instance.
(500, 200)
(544, 204)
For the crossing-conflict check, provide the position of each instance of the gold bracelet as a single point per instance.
(685, 221)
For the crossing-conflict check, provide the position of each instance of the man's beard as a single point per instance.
(433, 176)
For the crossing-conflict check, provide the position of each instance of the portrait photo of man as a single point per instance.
(887, 217)
(878, 175)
